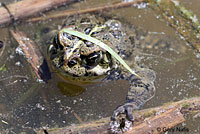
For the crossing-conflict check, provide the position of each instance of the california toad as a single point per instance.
(83, 61)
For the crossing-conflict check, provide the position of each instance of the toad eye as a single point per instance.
(93, 59)
(65, 39)
(56, 43)
(68, 36)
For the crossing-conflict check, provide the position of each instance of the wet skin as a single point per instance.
(81, 61)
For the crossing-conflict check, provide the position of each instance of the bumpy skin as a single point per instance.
(140, 91)
(88, 61)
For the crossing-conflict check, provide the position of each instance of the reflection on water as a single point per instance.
(70, 90)
(26, 104)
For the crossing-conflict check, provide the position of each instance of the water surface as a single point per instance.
(26, 104)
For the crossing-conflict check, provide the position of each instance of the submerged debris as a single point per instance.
(181, 19)
(29, 48)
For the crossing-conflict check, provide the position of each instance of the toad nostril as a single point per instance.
(93, 59)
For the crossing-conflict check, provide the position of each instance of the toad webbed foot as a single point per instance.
(122, 118)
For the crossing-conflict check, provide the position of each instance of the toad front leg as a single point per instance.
(141, 90)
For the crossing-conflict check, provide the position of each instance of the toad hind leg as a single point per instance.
(140, 91)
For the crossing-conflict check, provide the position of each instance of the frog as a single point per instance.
(83, 62)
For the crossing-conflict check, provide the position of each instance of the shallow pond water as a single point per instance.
(26, 104)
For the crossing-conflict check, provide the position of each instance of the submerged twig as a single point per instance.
(31, 51)
(12, 83)
(181, 19)
(90, 10)
(33, 54)
(26, 8)
(14, 76)
(146, 121)
(78, 117)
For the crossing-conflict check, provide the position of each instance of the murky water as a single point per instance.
(26, 104)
